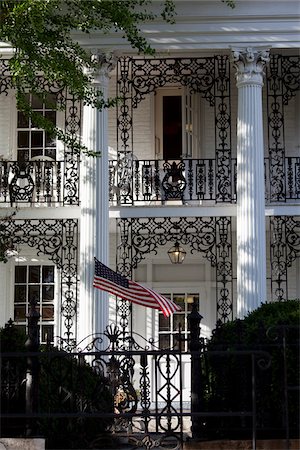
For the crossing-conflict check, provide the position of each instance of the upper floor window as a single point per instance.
(33, 142)
(168, 327)
(37, 283)
(177, 123)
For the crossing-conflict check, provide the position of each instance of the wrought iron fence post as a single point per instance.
(196, 374)
(32, 371)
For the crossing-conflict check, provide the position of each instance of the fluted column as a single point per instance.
(94, 226)
(251, 233)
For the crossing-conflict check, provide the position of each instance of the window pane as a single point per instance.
(23, 139)
(34, 293)
(178, 319)
(179, 299)
(23, 121)
(34, 123)
(48, 293)
(37, 152)
(20, 294)
(36, 102)
(164, 323)
(48, 274)
(23, 156)
(51, 152)
(37, 139)
(20, 274)
(164, 341)
(47, 333)
(51, 116)
(20, 313)
(48, 312)
(191, 298)
(50, 101)
(34, 274)
(50, 140)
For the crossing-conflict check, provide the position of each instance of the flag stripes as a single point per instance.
(107, 280)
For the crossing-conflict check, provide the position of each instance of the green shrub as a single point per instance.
(67, 385)
(227, 384)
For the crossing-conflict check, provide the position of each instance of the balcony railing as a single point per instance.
(145, 182)
(154, 182)
(32, 182)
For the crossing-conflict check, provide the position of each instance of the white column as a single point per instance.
(94, 224)
(251, 232)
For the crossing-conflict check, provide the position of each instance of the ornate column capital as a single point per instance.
(102, 64)
(250, 64)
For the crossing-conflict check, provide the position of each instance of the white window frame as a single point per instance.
(190, 121)
(34, 262)
(60, 123)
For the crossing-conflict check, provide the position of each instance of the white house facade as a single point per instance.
(203, 150)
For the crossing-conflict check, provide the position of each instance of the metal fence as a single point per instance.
(121, 388)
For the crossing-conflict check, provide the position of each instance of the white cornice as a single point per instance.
(204, 25)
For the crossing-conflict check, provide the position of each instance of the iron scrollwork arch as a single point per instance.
(58, 240)
(211, 236)
(72, 126)
(283, 81)
(284, 250)
(209, 76)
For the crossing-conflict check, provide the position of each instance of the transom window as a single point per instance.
(36, 283)
(33, 142)
(168, 328)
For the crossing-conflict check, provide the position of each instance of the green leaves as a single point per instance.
(41, 32)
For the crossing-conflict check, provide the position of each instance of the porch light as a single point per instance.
(177, 254)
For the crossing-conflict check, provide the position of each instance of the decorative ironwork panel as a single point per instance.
(224, 268)
(284, 250)
(5, 77)
(210, 236)
(58, 240)
(145, 382)
(71, 164)
(224, 179)
(283, 80)
(72, 127)
(209, 76)
(189, 180)
(31, 182)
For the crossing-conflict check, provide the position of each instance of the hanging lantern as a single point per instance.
(177, 254)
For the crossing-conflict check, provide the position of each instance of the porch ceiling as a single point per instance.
(204, 25)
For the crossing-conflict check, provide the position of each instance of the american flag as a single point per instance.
(107, 280)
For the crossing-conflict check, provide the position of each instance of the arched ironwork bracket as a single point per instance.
(283, 81)
(210, 236)
(58, 240)
(284, 250)
(209, 76)
(72, 124)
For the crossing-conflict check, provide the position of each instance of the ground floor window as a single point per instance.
(36, 282)
(168, 327)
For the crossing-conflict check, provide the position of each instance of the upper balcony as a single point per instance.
(40, 183)
(143, 182)
(155, 182)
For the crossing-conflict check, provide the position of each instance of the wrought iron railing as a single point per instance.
(194, 180)
(32, 182)
(151, 182)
